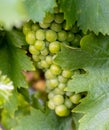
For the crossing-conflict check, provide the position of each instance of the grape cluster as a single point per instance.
(45, 41)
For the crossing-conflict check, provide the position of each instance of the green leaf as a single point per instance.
(93, 57)
(17, 38)
(16, 108)
(69, 9)
(6, 87)
(12, 12)
(38, 120)
(13, 61)
(36, 9)
(90, 15)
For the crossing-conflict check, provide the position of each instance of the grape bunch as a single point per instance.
(45, 39)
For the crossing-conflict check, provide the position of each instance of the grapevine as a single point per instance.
(45, 42)
(54, 65)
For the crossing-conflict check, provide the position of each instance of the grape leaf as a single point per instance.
(90, 15)
(36, 9)
(93, 57)
(38, 120)
(16, 108)
(6, 87)
(13, 61)
(17, 36)
(12, 12)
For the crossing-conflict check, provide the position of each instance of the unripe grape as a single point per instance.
(42, 57)
(62, 79)
(30, 37)
(54, 47)
(70, 36)
(75, 98)
(62, 86)
(51, 95)
(44, 52)
(32, 49)
(68, 103)
(62, 110)
(26, 28)
(76, 41)
(56, 27)
(39, 44)
(58, 91)
(35, 57)
(48, 18)
(69, 93)
(39, 65)
(49, 59)
(53, 83)
(66, 27)
(40, 34)
(44, 25)
(44, 64)
(58, 99)
(62, 36)
(51, 105)
(67, 73)
(55, 69)
(59, 18)
(35, 27)
(49, 74)
(75, 29)
(51, 35)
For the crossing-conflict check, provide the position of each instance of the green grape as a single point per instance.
(55, 69)
(30, 37)
(35, 57)
(44, 52)
(39, 44)
(76, 41)
(41, 57)
(59, 18)
(69, 93)
(62, 36)
(54, 47)
(56, 27)
(62, 110)
(48, 18)
(49, 74)
(58, 99)
(40, 34)
(32, 49)
(51, 95)
(67, 73)
(49, 59)
(75, 29)
(70, 36)
(51, 35)
(35, 27)
(62, 79)
(44, 64)
(68, 103)
(39, 65)
(26, 28)
(51, 105)
(65, 27)
(58, 91)
(53, 83)
(44, 25)
(75, 98)
(62, 86)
